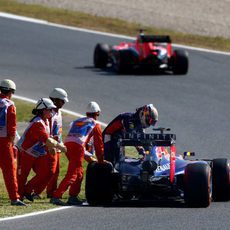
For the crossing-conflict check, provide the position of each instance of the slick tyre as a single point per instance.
(197, 185)
(98, 187)
(124, 61)
(220, 179)
(180, 62)
(101, 55)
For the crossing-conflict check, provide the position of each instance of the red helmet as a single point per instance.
(148, 115)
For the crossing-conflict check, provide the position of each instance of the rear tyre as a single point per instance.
(124, 61)
(180, 62)
(220, 179)
(197, 185)
(98, 186)
(101, 55)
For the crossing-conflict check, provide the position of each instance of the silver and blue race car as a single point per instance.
(160, 172)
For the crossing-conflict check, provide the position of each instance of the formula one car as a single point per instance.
(159, 173)
(148, 53)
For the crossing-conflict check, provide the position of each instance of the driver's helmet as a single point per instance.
(148, 115)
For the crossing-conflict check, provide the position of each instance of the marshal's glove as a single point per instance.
(51, 143)
(90, 159)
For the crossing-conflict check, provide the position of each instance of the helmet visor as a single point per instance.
(150, 117)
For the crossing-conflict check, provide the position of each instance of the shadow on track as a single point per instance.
(160, 203)
(108, 71)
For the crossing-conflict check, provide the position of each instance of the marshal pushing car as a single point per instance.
(161, 172)
(148, 53)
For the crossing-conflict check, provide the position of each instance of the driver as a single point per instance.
(143, 118)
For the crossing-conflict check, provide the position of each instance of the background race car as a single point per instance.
(160, 173)
(148, 53)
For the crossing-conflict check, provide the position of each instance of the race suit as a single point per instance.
(80, 132)
(123, 123)
(7, 135)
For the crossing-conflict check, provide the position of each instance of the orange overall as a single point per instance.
(33, 156)
(7, 134)
(54, 159)
(79, 135)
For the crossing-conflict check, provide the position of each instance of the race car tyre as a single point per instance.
(220, 179)
(101, 55)
(98, 185)
(124, 61)
(197, 185)
(126, 196)
(180, 62)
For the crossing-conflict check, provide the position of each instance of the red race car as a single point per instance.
(151, 53)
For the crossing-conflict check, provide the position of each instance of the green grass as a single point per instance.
(24, 110)
(105, 24)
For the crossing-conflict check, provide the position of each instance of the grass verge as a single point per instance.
(79, 19)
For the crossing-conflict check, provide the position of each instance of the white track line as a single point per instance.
(37, 21)
(34, 213)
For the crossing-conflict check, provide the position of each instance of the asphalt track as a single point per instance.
(196, 107)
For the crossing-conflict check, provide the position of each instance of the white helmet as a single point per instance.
(7, 84)
(45, 103)
(93, 107)
(59, 94)
(148, 115)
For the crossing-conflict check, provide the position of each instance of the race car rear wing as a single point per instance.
(142, 139)
(155, 38)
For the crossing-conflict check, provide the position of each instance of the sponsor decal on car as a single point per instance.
(163, 167)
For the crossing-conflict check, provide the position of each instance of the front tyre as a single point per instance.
(197, 185)
(124, 61)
